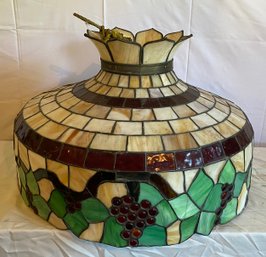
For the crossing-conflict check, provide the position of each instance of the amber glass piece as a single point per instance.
(188, 159)
(212, 153)
(100, 160)
(130, 162)
(160, 162)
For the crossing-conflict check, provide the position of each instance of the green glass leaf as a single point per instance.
(76, 222)
(227, 175)
(239, 181)
(32, 184)
(22, 177)
(148, 192)
(41, 205)
(57, 203)
(153, 236)
(24, 196)
(188, 226)
(206, 223)
(200, 188)
(112, 233)
(249, 177)
(94, 210)
(183, 206)
(166, 215)
(214, 199)
(229, 212)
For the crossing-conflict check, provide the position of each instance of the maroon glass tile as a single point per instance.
(114, 101)
(22, 131)
(133, 102)
(100, 160)
(160, 162)
(169, 101)
(212, 153)
(150, 103)
(33, 140)
(188, 159)
(130, 162)
(249, 130)
(18, 121)
(231, 146)
(242, 139)
(73, 155)
(49, 149)
(163, 186)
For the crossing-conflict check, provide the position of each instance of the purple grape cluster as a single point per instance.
(133, 216)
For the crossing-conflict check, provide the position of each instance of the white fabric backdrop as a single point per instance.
(42, 46)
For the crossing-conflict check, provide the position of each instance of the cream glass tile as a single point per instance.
(175, 180)
(189, 177)
(51, 130)
(203, 120)
(238, 112)
(107, 191)
(142, 93)
(93, 232)
(221, 100)
(239, 161)
(183, 111)
(226, 128)
(91, 82)
(157, 128)
(36, 161)
(206, 95)
(103, 90)
(124, 52)
(222, 107)
(46, 187)
(46, 100)
(155, 93)
(57, 222)
(217, 114)
(115, 91)
(134, 82)
(173, 234)
(95, 87)
(99, 125)
(161, 48)
(206, 136)
(109, 142)
(205, 102)
(49, 107)
(171, 77)
(179, 142)
(182, 86)
(58, 114)
(236, 120)
(142, 114)
(183, 125)
(197, 107)
(60, 170)
(176, 90)
(106, 78)
(81, 107)
(156, 81)
(76, 121)
(144, 143)
(214, 170)
(23, 154)
(27, 112)
(98, 111)
(64, 97)
(167, 91)
(128, 93)
(101, 76)
(165, 113)
(104, 53)
(248, 155)
(146, 36)
(128, 128)
(36, 120)
(119, 114)
(79, 178)
(146, 82)
(70, 102)
(165, 80)
(64, 91)
(34, 101)
(242, 199)
(76, 137)
(114, 80)
(123, 81)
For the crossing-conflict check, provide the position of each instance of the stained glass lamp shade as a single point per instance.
(134, 156)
